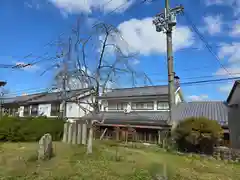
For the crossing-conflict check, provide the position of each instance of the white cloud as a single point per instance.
(234, 4)
(135, 61)
(214, 2)
(140, 36)
(32, 4)
(232, 51)
(28, 5)
(198, 98)
(233, 71)
(213, 24)
(226, 88)
(87, 6)
(236, 29)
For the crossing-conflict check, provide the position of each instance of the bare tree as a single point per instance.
(101, 60)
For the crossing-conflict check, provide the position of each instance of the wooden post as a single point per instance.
(84, 133)
(150, 137)
(117, 133)
(70, 133)
(65, 133)
(104, 132)
(145, 136)
(79, 133)
(159, 137)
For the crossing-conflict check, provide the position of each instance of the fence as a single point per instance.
(75, 132)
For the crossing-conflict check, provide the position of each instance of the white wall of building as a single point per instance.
(44, 109)
(104, 104)
(20, 111)
(73, 110)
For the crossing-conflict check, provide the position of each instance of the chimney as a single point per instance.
(176, 80)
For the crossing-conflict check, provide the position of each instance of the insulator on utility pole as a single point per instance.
(164, 22)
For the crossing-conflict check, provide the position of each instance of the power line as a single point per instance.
(195, 29)
(210, 81)
(188, 83)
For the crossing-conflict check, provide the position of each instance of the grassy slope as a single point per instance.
(71, 162)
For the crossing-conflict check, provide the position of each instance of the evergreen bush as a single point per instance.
(27, 129)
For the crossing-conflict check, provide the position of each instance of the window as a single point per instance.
(55, 109)
(142, 105)
(162, 106)
(117, 106)
(34, 110)
(122, 106)
(112, 106)
(26, 111)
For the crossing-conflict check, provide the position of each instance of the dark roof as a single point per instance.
(212, 110)
(137, 91)
(232, 90)
(45, 96)
(132, 118)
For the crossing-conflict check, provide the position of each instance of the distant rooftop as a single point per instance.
(214, 110)
(137, 91)
(44, 96)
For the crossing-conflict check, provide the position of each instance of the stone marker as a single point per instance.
(45, 150)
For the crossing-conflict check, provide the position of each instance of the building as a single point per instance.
(49, 104)
(143, 108)
(233, 102)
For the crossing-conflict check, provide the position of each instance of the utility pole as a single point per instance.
(65, 79)
(165, 22)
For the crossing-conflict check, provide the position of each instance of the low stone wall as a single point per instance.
(225, 153)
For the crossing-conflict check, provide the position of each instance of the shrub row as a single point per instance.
(29, 129)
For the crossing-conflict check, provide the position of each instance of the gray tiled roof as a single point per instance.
(212, 110)
(45, 97)
(133, 118)
(137, 91)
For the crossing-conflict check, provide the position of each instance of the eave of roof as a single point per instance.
(236, 83)
(47, 97)
(133, 118)
(136, 92)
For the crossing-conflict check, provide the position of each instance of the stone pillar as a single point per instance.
(79, 133)
(70, 132)
(84, 133)
(74, 133)
(65, 133)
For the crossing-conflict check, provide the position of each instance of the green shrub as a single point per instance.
(198, 135)
(29, 129)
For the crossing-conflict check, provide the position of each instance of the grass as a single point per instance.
(108, 161)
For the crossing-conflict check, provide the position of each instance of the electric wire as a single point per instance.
(195, 29)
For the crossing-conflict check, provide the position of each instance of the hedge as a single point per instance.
(15, 129)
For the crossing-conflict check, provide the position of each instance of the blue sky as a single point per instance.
(28, 25)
